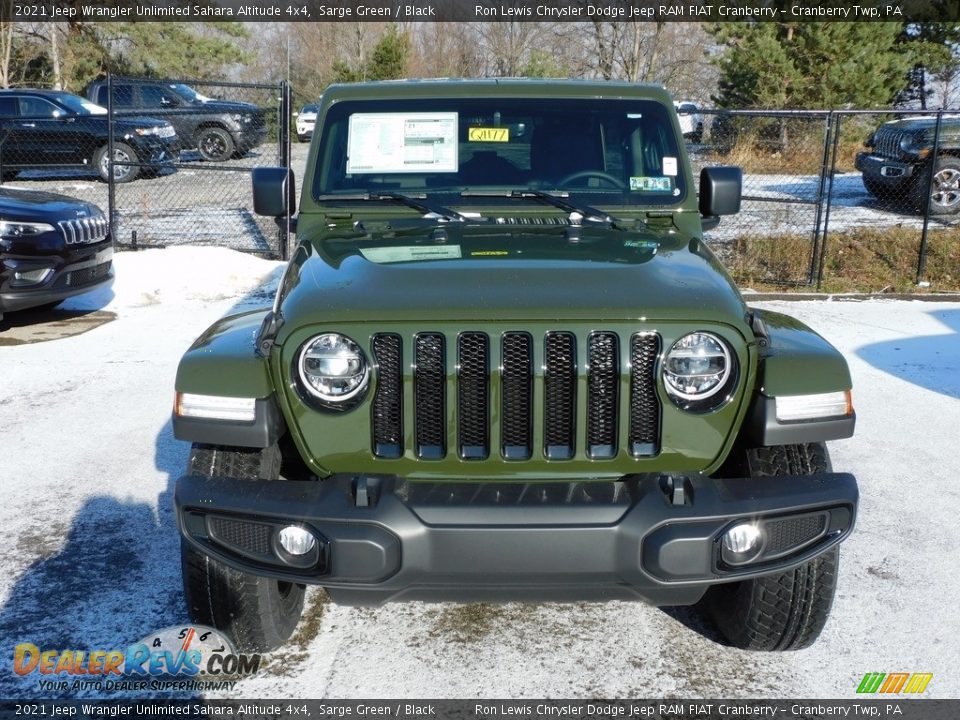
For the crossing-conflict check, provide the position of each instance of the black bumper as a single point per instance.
(73, 272)
(650, 538)
(884, 170)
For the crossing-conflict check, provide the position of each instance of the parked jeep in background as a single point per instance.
(52, 128)
(218, 129)
(51, 247)
(503, 365)
(898, 158)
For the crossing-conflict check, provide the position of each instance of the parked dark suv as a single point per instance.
(40, 128)
(219, 129)
(51, 247)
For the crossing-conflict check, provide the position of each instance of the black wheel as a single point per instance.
(121, 153)
(215, 144)
(9, 175)
(697, 135)
(786, 611)
(945, 190)
(303, 138)
(258, 613)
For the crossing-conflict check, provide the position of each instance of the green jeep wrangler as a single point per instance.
(503, 365)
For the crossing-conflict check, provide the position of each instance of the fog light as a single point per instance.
(741, 543)
(296, 540)
(31, 277)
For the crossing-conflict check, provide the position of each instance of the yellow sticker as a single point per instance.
(487, 253)
(487, 134)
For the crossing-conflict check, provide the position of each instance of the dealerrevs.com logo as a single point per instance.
(191, 657)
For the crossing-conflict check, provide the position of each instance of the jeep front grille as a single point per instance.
(84, 230)
(887, 143)
(492, 384)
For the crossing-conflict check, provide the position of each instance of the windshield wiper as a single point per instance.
(585, 212)
(429, 210)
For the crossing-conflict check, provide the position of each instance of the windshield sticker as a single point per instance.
(489, 253)
(402, 143)
(651, 184)
(488, 134)
(411, 253)
(670, 166)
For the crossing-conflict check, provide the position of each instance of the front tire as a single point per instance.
(259, 614)
(215, 144)
(121, 153)
(785, 611)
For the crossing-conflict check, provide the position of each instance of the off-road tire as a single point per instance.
(786, 611)
(121, 153)
(259, 614)
(215, 144)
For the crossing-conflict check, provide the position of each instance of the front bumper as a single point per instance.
(73, 272)
(653, 538)
(884, 169)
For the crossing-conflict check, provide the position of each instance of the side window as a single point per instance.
(155, 96)
(122, 96)
(35, 107)
(8, 107)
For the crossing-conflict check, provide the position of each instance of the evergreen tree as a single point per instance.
(811, 65)
(388, 61)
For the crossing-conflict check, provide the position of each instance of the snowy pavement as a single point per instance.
(91, 559)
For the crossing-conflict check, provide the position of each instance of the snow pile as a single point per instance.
(182, 274)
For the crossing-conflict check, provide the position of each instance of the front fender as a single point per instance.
(223, 362)
(795, 360)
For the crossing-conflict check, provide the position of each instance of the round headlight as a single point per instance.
(697, 369)
(333, 368)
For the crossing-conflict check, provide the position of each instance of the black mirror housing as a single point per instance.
(720, 190)
(274, 191)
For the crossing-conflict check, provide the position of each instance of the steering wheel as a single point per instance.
(615, 181)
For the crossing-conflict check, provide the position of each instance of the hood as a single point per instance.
(921, 122)
(126, 122)
(480, 272)
(223, 106)
(34, 206)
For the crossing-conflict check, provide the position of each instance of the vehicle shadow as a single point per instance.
(930, 361)
(114, 580)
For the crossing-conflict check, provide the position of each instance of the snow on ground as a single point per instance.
(91, 550)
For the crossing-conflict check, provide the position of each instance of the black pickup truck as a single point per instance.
(219, 129)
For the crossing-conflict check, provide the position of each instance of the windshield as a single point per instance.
(189, 93)
(79, 105)
(602, 151)
(309, 109)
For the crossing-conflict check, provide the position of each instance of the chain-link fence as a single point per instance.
(193, 188)
(833, 196)
(170, 160)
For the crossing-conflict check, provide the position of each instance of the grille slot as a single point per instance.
(430, 396)
(516, 384)
(89, 274)
(560, 395)
(791, 534)
(252, 538)
(84, 230)
(603, 379)
(888, 142)
(644, 436)
(388, 400)
(473, 395)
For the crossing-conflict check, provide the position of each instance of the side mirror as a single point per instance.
(274, 191)
(720, 190)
